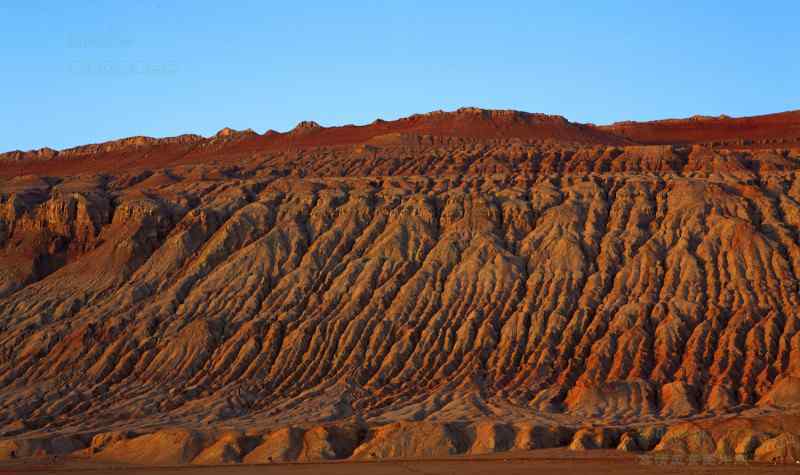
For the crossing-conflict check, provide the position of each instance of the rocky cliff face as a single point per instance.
(325, 296)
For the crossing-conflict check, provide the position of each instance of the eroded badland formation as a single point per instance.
(462, 282)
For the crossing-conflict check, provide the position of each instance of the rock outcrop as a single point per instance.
(411, 440)
(283, 445)
(784, 448)
(230, 447)
(597, 438)
(165, 447)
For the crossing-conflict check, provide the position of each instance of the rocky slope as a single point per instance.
(449, 283)
(766, 130)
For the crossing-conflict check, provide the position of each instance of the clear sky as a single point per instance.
(92, 70)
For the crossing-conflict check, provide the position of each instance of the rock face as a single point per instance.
(540, 436)
(21, 448)
(228, 448)
(167, 447)
(734, 438)
(283, 445)
(490, 437)
(783, 448)
(627, 443)
(411, 440)
(428, 293)
(586, 439)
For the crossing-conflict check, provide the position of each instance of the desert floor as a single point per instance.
(544, 462)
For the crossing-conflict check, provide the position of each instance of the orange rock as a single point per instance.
(165, 447)
(785, 448)
(410, 440)
(283, 445)
(420, 276)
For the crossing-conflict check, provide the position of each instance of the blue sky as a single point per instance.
(88, 71)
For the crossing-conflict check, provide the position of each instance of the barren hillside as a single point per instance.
(454, 282)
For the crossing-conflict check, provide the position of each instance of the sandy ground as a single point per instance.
(540, 462)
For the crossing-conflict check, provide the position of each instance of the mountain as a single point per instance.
(765, 130)
(454, 282)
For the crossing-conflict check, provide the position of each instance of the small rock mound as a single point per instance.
(228, 132)
(687, 438)
(410, 440)
(319, 443)
(594, 438)
(20, 448)
(104, 439)
(784, 448)
(330, 442)
(229, 448)
(165, 447)
(491, 437)
(283, 445)
(305, 126)
(627, 443)
(649, 436)
(534, 436)
(225, 132)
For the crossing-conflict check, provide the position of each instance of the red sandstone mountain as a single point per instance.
(464, 282)
(766, 130)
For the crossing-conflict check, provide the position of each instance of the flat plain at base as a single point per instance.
(541, 462)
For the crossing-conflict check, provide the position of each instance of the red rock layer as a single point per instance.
(768, 130)
(470, 124)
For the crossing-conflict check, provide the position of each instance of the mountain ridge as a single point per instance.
(497, 117)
